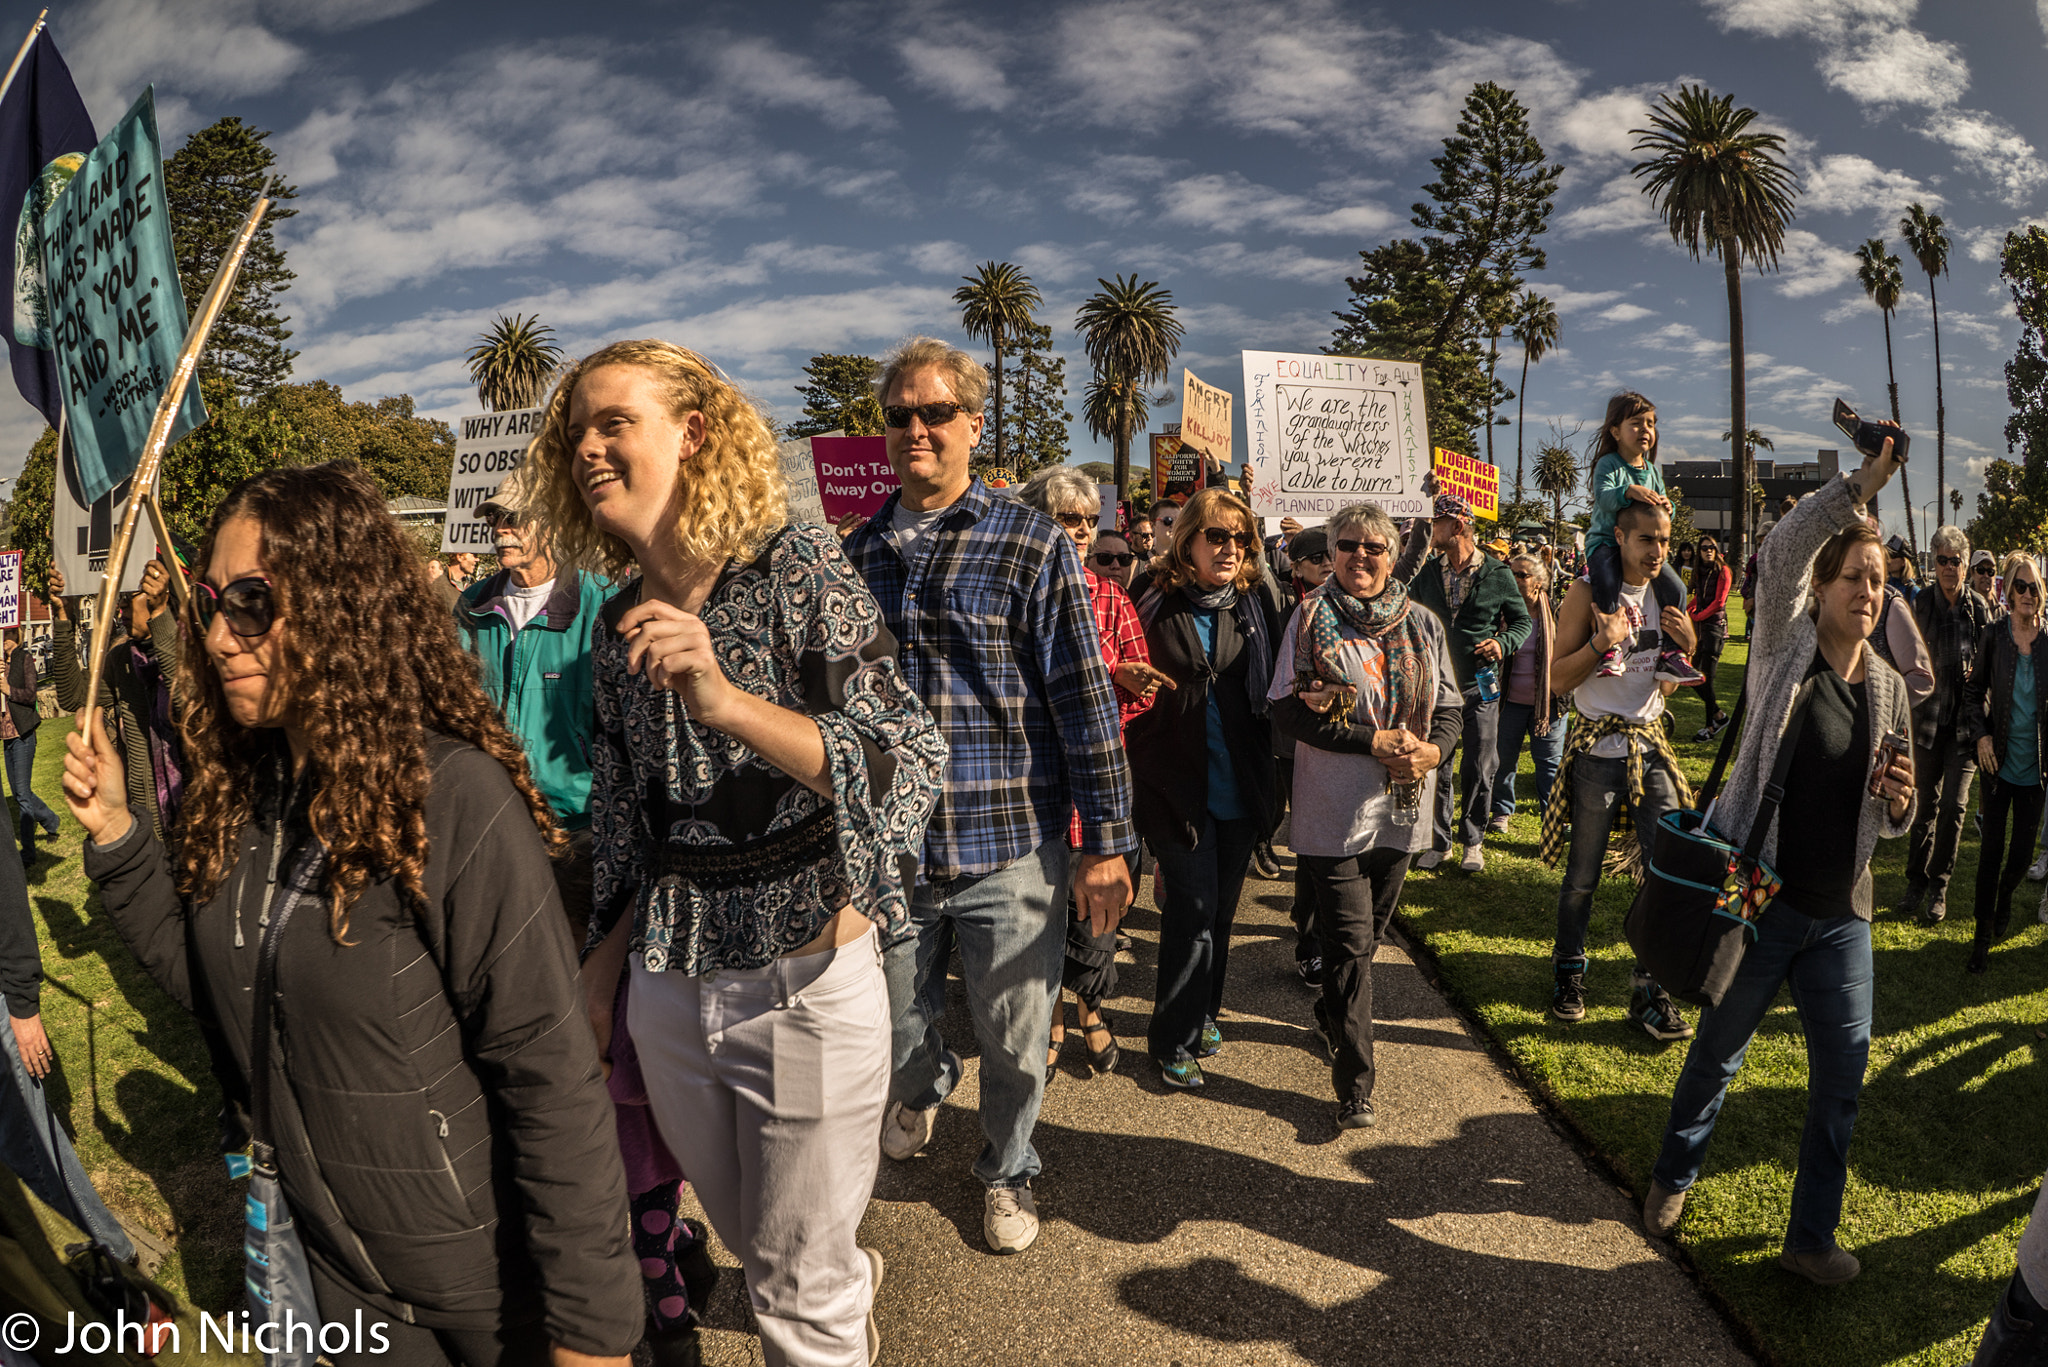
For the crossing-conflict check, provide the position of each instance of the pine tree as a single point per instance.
(1395, 307)
(1035, 420)
(209, 184)
(2012, 512)
(840, 397)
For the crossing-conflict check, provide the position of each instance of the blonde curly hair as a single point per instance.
(730, 497)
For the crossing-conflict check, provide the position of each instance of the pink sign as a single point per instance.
(853, 474)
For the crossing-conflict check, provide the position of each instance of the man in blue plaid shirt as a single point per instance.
(992, 616)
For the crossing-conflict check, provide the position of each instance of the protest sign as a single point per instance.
(801, 475)
(1205, 419)
(116, 312)
(1472, 480)
(1110, 519)
(10, 589)
(82, 537)
(1178, 472)
(1326, 431)
(488, 447)
(854, 475)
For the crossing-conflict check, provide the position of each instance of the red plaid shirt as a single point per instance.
(1123, 638)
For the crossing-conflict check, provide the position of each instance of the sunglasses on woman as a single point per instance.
(1073, 522)
(1220, 537)
(250, 605)
(1372, 548)
(2026, 586)
(930, 414)
(1106, 559)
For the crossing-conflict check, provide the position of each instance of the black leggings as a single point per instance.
(1996, 884)
(1706, 657)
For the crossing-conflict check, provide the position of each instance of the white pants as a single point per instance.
(768, 1085)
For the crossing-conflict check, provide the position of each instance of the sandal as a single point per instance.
(1104, 1060)
(1052, 1052)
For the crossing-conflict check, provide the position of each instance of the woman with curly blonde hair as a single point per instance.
(761, 777)
(1206, 789)
(443, 1143)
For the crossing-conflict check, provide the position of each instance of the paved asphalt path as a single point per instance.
(1235, 1225)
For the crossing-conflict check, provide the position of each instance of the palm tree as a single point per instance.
(513, 362)
(1878, 272)
(1131, 334)
(1756, 491)
(1720, 188)
(1557, 474)
(995, 304)
(1929, 245)
(1536, 328)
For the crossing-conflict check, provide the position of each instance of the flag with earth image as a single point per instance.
(45, 135)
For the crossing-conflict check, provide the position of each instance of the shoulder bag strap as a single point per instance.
(1705, 798)
(303, 876)
(1774, 791)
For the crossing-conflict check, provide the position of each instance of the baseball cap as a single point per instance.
(507, 500)
(1981, 556)
(1451, 505)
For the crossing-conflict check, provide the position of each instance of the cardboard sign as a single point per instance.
(116, 316)
(854, 475)
(1472, 480)
(1110, 519)
(82, 536)
(1205, 418)
(488, 447)
(800, 472)
(1327, 431)
(1178, 472)
(10, 589)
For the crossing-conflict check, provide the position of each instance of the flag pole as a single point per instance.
(161, 525)
(142, 483)
(22, 54)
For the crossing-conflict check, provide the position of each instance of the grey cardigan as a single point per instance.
(1783, 639)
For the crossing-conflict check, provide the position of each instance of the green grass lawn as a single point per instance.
(1948, 1153)
(1949, 1146)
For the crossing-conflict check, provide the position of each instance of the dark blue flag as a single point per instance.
(45, 135)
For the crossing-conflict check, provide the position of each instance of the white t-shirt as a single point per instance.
(523, 605)
(1340, 804)
(906, 526)
(1635, 694)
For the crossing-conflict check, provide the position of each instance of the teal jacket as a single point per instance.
(540, 679)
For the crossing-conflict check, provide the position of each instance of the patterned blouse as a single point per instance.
(725, 861)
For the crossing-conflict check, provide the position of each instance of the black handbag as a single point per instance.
(1695, 913)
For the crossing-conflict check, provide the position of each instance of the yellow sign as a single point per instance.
(1205, 419)
(1472, 480)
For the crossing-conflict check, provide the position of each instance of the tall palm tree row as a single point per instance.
(996, 304)
(1929, 243)
(1536, 328)
(1724, 189)
(512, 363)
(1877, 270)
(1131, 335)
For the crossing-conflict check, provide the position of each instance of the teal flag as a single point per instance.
(117, 314)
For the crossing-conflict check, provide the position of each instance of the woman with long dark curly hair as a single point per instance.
(443, 1142)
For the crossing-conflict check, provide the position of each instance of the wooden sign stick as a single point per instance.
(180, 590)
(142, 483)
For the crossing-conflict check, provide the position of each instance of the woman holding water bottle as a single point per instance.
(1365, 687)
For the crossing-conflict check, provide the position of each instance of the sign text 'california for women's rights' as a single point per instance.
(1326, 431)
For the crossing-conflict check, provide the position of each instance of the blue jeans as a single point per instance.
(1598, 787)
(1195, 916)
(1011, 926)
(1828, 965)
(21, 770)
(34, 1146)
(1517, 720)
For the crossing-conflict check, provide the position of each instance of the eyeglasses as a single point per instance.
(1982, 570)
(249, 604)
(1948, 561)
(1073, 521)
(1319, 558)
(2026, 586)
(1374, 548)
(1522, 574)
(1109, 558)
(931, 414)
(1223, 536)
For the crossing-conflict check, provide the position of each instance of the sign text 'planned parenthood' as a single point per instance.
(1326, 431)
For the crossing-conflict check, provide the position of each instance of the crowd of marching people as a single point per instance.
(729, 794)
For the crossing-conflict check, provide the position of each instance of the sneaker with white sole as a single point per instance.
(1652, 1008)
(906, 1130)
(1429, 859)
(875, 1294)
(1673, 667)
(1009, 1218)
(1474, 860)
(2038, 870)
(1613, 664)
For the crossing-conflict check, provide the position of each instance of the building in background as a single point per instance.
(1708, 487)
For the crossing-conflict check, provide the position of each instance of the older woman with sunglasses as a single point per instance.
(2007, 704)
(1202, 764)
(1361, 637)
(1071, 499)
(439, 1129)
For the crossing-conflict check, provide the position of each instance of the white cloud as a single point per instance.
(1846, 183)
(330, 16)
(1618, 206)
(1231, 203)
(760, 71)
(1897, 66)
(218, 46)
(1809, 265)
(1992, 148)
(1626, 313)
(1569, 300)
(960, 71)
(941, 258)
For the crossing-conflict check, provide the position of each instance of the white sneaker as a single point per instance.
(2038, 870)
(874, 1334)
(1474, 860)
(905, 1131)
(1429, 859)
(1009, 1219)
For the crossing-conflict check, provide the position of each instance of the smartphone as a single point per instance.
(1868, 437)
(1890, 747)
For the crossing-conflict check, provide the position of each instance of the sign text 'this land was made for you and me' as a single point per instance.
(1326, 431)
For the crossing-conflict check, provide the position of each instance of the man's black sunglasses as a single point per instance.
(931, 414)
(1948, 561)
(1108, 558)
(250, 606)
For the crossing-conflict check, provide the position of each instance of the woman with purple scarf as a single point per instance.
(1368, 693)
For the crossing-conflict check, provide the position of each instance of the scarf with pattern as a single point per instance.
(1410, 687)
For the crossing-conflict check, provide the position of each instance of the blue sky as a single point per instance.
(766, 181)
